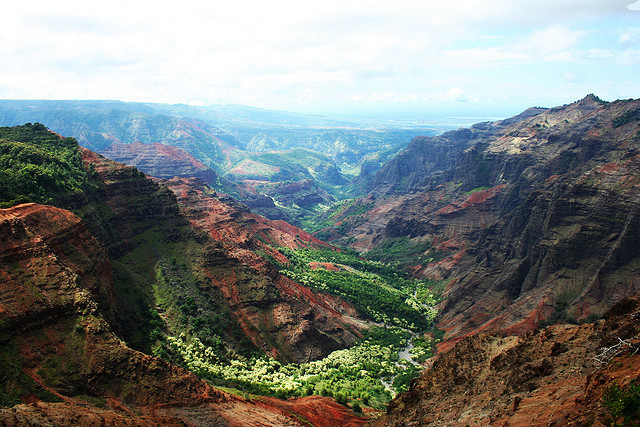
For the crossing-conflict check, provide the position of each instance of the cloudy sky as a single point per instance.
(397, 58)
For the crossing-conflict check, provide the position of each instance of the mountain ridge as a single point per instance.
(493, 204)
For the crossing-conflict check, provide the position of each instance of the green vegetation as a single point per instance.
(404, 253)
(628, 117)
(425, 348)
(560, 314)
(39, 166)
(378, 291)
(186, 306)
(623, 405)
(368, 374)
(350, 375)
(477, 189)
(402, 381)
(14, 382)
(340, 217)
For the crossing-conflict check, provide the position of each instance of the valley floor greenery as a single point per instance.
(367, 374)
(378, 291)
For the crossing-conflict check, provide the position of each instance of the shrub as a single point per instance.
(623, 404)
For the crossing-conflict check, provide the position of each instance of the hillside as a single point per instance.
(63, 364)
(528, 220)
(561, 375)
(186, 281)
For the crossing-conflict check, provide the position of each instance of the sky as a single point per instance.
(402, 58)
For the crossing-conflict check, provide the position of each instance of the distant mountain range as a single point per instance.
(231, 140)
(97, 124)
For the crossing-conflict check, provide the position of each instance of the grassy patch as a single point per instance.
(347, 213)
(403, 253)
(628, 117)
(378, 291)
(476, 190)
(190, 307)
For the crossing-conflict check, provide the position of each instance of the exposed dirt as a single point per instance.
(542, 378)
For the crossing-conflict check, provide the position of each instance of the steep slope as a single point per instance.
(155, 229)
(295, 183)
(430, 160)
(281, 317)
(161, 161)
(164, 161)
(526, 220)
(560, 375)
(62, 360)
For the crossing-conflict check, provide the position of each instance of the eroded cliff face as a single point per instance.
(57, 344)
(161, 161)
(280, 316)
(552, 376)
(224, 249)
(51, 267)
(62, 364)
(528, 219)
(165, 162)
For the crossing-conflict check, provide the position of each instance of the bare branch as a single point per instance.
(606, 354)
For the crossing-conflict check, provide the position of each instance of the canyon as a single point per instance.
(518, 219)
(78, 305)
(526, 229)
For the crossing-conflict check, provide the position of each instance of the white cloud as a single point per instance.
(573, 77)
(482, 57)
(629, 35)
(634, 6)
(455, 94)
(284, 50)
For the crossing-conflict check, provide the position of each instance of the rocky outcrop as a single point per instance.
(431, 160)
(296, 199)
(552, 376)
(165, 162)
(54, 274)
(52, 267)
